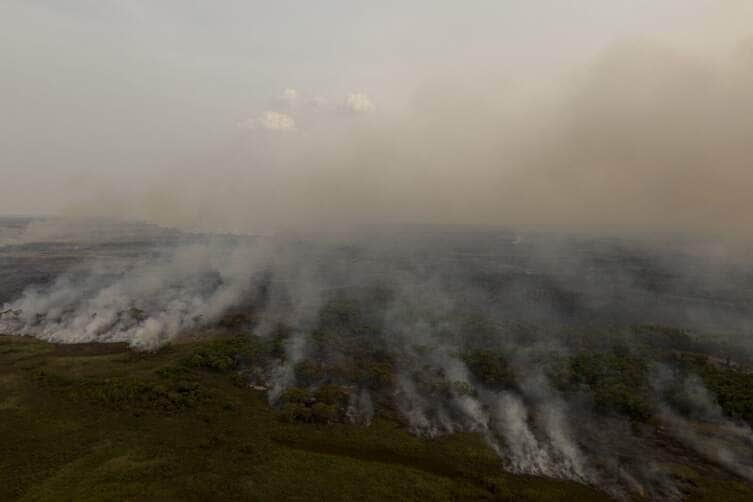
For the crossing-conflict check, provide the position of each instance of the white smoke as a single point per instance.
(150, 301)
(525, 454)
(360, 408)
(359, 102)
(146, 303)
(271, 121)
(710, 433)
(726, 444)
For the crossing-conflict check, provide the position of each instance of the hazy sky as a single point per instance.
(111, 107)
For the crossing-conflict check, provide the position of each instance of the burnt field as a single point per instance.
(610, 363)
(529, 275)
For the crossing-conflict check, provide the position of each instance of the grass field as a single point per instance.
(100, 422)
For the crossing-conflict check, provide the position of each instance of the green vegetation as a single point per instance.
(616, 382)
(225, 353)
(490, 368)
(731, 386)
(662, 337)
(103, 423)
(100, 422)
(733, 390)
(326, 405)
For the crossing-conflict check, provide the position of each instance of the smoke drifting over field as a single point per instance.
(301, 173)
(512, 335)
(647, 138)
(647, 128)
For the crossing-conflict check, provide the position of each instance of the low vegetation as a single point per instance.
(100, 422)
(103, 423)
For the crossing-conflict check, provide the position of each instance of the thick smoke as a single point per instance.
(704, 427)
(423, 302)
(650, 132)
(648, 138)
(145, 303)
(652, 136)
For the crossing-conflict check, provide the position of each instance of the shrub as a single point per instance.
(223, 355)
(490, 368)
(130, 394)
(323, 413)
(617, 382)
(379, 375)
(733, 389)
(663, 337)
(308, 373)
(326, 405)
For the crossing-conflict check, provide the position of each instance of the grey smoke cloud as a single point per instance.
(647, 138)
(505, 113)
(642, 123)
(424, 296)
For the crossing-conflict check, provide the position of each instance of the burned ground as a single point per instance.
(619, 366)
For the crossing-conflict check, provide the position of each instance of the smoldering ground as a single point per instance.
(550, 346)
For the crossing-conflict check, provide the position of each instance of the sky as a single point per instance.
(256, 116)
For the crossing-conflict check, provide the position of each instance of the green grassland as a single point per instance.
(101, 422)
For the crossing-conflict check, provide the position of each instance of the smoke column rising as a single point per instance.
(497, 114)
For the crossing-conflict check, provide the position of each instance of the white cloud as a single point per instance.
(276, 121)
(359, 102)
(290, 94)
(271, 121)
(290, 97)
(295, 100)
(317, 102)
